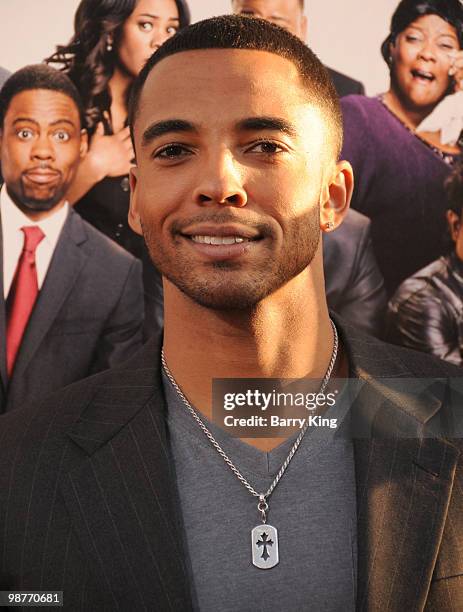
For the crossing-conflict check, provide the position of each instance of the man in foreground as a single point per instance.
(112, 492)
(71, 302)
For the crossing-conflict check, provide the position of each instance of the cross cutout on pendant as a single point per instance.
(263, 542)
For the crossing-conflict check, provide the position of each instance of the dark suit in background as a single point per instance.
(353, 283)
(344, 85)
(88, 502)
(88, 316)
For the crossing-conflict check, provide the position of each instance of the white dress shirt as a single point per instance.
(13, 220)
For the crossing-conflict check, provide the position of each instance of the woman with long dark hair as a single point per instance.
(112, 41)
(399, 172)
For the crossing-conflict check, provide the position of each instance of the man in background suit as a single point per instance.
(289, 14)
(71, 301)
(111, 491)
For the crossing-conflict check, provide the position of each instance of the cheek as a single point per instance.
(132, 51)
(14, 159)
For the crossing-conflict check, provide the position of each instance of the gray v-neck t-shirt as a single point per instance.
(313, 507)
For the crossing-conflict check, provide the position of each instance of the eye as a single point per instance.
(447, 46)
(411, 38)
(172, 151)
(267, 147)
(145, 26)
(172, 30)
(25, 134)
(61, 136)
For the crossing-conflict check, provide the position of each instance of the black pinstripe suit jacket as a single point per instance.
(88, 501)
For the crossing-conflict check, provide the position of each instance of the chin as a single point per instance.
(40, 205)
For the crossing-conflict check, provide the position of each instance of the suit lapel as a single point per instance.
(404, 481)
(122, 501)
(65, 266)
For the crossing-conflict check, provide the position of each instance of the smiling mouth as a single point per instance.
(423, 75)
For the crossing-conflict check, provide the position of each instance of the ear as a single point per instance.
(392, 52)
(83, 143)
(134, 217)
(336, 197)
(453, 221)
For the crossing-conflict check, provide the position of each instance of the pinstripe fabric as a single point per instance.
(87, 502)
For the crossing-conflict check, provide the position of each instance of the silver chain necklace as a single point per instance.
(264, 538)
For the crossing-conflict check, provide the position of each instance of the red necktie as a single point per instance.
(22, 295)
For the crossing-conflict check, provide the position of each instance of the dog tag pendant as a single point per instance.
(264, 546)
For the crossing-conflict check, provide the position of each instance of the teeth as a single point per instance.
(217, 240)
(422, 74)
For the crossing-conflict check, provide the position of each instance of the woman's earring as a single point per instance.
(329, 226)
(109, 46)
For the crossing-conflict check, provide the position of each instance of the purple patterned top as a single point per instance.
(399, 185)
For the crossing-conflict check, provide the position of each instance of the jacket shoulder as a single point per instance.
(113, 394)
(383, 360)
(344, 84)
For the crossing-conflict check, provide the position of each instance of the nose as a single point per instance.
(158, 38)
(428, 51)
(220, 182)
(42, 148)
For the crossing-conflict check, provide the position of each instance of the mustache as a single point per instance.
(42, 166)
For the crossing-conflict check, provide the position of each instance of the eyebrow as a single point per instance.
(68, 121)
(275, 124)
(439, 34)
(161, 128)
(157, 17)
(250, 124)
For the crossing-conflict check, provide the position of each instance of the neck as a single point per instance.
(408, 114)
(287, 335)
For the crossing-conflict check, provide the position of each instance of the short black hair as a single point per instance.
(454, 189)
(249, 33)
(409, 11)
(38, 76)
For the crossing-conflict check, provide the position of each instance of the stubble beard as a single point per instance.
(225, 285)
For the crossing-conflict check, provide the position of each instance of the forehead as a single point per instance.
(155, 8)
(269, 7)
(44, 106)
(222, 85)
(434, 24)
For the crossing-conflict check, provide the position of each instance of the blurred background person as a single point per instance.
(289, 14)
(71, 300)
(399, 173)
(112, 40)
(426, 312)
